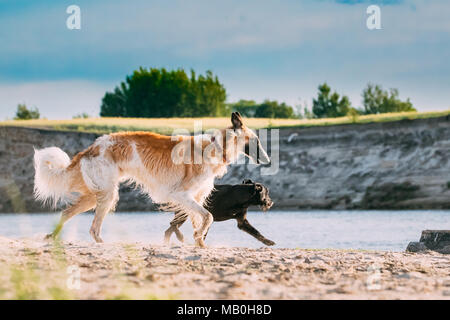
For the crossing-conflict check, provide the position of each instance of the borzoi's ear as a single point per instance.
(236, 120)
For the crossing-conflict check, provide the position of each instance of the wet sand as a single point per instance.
(37, 269)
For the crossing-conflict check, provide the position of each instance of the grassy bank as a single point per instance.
(167, 125)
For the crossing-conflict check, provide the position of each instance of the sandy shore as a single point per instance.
(32, 269)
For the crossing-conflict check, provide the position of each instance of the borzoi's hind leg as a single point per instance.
(178, 233)
(83, 204)
(105, 203)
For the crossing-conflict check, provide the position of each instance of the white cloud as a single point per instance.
(205, 26)
(296, 45)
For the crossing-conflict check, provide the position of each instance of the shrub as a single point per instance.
(23, 113)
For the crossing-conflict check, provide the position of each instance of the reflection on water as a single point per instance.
(372, 230)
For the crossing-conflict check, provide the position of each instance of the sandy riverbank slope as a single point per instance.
(48, 270)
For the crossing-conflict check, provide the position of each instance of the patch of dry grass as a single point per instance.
(167, 125)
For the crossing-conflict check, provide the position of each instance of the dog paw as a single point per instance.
(200, 243)
(49, 236)
(95, 235)
(268, 242)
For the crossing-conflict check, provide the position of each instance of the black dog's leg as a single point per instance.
(168, 233)
(178, 233)
(204, 237)
(174, 225)
(244, 225)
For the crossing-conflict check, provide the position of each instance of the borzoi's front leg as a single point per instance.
(196, 211)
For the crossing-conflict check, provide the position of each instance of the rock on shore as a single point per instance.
(436, 240)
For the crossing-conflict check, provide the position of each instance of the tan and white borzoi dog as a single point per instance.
(91, 179)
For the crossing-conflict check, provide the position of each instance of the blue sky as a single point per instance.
(259, 49)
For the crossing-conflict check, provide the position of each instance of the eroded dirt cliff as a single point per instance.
(396, 165)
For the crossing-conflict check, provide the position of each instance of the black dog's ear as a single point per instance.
(247, 181)
(258, 187)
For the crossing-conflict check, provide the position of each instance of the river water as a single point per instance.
(370, 230)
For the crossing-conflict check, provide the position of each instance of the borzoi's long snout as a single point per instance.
(263, 157)
(255, 151)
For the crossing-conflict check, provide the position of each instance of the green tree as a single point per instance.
(207, 97)
(353, 114)
(267, 109)
(83, 115)
(306, 113)
(376, 100)
(113, 104)
(247, 108)
(330, 105)
(160, 93)
(23, 113)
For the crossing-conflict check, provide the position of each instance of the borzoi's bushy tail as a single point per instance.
(51, 183)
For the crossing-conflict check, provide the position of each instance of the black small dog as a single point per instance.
(230, 202)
